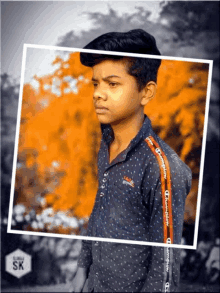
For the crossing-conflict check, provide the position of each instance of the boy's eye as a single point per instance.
(95, 84)
(113, 84)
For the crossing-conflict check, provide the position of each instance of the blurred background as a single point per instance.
(46, 182)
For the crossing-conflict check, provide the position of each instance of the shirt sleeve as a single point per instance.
(164, 262)
(164, 270)
(85, 256)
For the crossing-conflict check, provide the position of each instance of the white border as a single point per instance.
(203, 154)
(194, 246)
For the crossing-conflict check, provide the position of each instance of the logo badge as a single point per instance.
(18, 263)
(129, 181)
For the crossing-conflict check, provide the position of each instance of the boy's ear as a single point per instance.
(148, 92)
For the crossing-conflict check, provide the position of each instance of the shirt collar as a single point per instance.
(108, 134)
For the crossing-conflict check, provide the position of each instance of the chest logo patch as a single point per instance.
(129, 181)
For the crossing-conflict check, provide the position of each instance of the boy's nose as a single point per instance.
(100, 95)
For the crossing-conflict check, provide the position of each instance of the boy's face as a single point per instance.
(116, 96)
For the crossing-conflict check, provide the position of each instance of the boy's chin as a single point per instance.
(103, 120)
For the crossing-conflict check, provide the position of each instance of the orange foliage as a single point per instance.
(177, 113)
(66, 133)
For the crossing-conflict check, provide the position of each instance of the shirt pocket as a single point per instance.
(123, 212)
(125, 193)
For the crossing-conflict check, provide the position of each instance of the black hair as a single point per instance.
(134, 41)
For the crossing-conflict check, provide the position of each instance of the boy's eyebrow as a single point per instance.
(107, 77)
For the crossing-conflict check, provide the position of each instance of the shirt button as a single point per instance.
(103, 186)
(102, 194)
(105, 174)
(104, 180)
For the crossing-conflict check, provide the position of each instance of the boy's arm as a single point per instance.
(164, 270)
(85, 260)
(164, 263)
(83, 265)
(85, 256)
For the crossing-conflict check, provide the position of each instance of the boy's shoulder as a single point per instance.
(158, 151)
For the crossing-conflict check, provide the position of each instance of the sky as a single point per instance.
(42, 22)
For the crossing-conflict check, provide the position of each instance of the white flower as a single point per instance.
(44, 103)
(56, 164)
(35, 84)
(57, 222)
(62, 216)
(42, 201)
(66, 90)
(46, 86)
(50, 227)
(75, 90)
(19, 165)
(19, 209)
(13, 222)
(19, 218)
(46, 219)
(47, 212)
(56, 91)
(26, 238)
(41, 225)
(191, 80)
(81, 221)
(34, 225)
(38, 217)
(27, 217)
(73, 223)
(5, 221)
(32, 213)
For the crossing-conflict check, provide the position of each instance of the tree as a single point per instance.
(9, 102)
(172, 40)
(60, 141)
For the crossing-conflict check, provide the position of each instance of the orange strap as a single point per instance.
(166, 191)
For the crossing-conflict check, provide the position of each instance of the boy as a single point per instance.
(142, 182)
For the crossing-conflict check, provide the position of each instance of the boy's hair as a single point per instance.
(134, 41)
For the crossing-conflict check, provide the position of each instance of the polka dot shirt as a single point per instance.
(129, 206)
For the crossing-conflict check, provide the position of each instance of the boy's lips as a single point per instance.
(100, 109)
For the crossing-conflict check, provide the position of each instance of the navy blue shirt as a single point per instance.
(141, 196)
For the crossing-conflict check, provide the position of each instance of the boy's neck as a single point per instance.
(126, 130)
